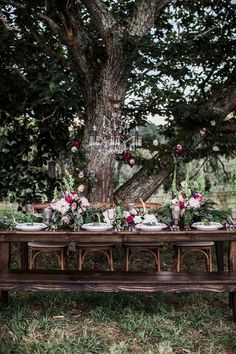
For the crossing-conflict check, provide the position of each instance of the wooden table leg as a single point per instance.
(232, 268)
(5, 266)
(24, 255)
(219, 248)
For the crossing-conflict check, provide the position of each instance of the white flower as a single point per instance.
(137, 219)
(174, 201)
(155, 142)
(213, 123)
(66, 219)
(62, 206)
(215, 148)
(107, 213)
(126, 214)
(150, 218)
(81, 188)
(74, 149)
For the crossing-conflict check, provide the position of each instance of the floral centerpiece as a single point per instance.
(68, 210)
(120, 217)
(191, 209)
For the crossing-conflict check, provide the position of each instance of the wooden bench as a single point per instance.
(118, 281)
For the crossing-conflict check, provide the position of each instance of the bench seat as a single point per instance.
(117, 281)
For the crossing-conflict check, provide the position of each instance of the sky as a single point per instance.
(156, 119)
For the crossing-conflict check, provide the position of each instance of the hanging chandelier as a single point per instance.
(115, 134)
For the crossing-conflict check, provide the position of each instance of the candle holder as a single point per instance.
(176, 214)
(232, 216)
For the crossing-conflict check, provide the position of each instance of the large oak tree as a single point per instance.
(167, 57)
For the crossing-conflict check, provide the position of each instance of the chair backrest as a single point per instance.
(105, 205)
(148, 205)
(38, 207)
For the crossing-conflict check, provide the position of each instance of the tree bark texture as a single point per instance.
(141, 185)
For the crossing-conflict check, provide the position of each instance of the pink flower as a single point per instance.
(74, 205)
(76, 143)
(194, 203)
(198, 196)
(81, 174)
(179, 149)
(129, 219)
(84, 202)
(132, 162)
(72, 193)
(133, 211)
(126, 155)
(68, 199)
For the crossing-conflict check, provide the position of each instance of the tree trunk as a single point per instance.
(108, 100)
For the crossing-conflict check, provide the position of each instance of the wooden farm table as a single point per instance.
(16, 279)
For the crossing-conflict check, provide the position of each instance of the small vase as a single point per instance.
(176, 214)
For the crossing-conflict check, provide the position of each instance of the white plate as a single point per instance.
(95, 227)
(212, 226)
(31, 226)
(156, 227)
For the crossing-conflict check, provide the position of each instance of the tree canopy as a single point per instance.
(66, 59)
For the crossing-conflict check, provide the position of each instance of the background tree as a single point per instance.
(61, 59)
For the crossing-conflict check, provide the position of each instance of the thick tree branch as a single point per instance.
(109, 29)
(102, 18)
(75, 38)
(227, 127)
(144, 14)
(224, 101)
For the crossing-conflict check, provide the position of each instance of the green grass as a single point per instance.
(116, 323)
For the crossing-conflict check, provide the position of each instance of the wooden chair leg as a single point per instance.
(30, 259)
(178, 259)
(157, 259)
(109, 251)
(210, 260)
(61, 255)
(80, 259)
(127, 257)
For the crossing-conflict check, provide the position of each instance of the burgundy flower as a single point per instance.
(76, 143)
(68, 199)
(126, 155)
(129, 219)
(181, 204)
(179, 149)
